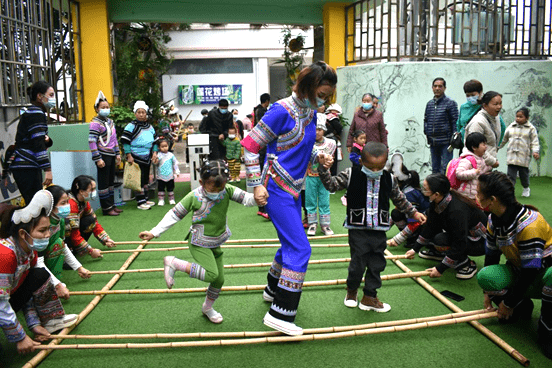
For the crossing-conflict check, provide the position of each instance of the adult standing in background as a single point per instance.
(32, 142)
(370, 121)
(102, 140)
(216, 125)
(487, 122)
(203, 123)
(333, 131)
(441, 115)
(237, 123)
(259, 112)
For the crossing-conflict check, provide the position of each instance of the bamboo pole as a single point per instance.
(242, 265)
(37, 359)
(278, 339)
(243, 246)
(239, 288)
(237, 241)
(484, 330)
(212, 335)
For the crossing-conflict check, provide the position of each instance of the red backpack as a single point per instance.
(455, 183)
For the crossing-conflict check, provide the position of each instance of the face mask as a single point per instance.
(319, 102)
(231, 136)
(215, 196)
(38, 244)
(105, 112)
(63, 211)
(223, 111)
(91, 195)
(371, 174)
(235, 117)
(367, 105)
(51, 103)
(473, 99)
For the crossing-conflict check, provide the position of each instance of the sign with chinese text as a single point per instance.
(209, 94)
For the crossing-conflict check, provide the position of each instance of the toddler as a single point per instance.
(359, 139)
(167, 169)
(233, 154)
(474, 149)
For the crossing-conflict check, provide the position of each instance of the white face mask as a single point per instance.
(231, 136)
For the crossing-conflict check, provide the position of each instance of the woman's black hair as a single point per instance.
(473, 140)
(524, 111)
(487, 97)
(216, 169)
(8, 228)
(358, 133)
(38, 87)
(438, 183)
(81, 182)
(57, 192)
(414, 180)
(499, 185)
(312, 77)
(99, 102)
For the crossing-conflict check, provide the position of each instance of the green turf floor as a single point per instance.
(449, 346)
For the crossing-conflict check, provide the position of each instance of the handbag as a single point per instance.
(131, 177)
(456, 142)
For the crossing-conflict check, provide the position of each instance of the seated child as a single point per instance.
(474, 149)
(209, 207)
(367, 221)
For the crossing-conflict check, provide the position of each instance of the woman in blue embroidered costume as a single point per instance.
(523, 236)
(288, 132)
(209, 230)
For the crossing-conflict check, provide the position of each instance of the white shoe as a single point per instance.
(289, 328)
(57, 324)
(169, 271)
(171, 201)
(150, 203)
(526, 192)
(267, 297)
(213, 315)
(326, 230)
(144, 206)
(161, 202)
(311, 231)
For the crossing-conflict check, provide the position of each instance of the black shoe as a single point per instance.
(545, 339)
(522, 311)
(431, 254)
(467, 272)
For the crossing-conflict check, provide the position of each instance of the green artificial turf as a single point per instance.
(449, 346)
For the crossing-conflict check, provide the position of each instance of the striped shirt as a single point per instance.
(30, 141)
(102, 138)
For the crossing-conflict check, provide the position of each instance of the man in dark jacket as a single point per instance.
(216, 125)
(440, 118)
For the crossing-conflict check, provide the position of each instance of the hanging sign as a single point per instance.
(209, 94)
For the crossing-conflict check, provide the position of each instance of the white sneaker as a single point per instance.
(526, 192)
(144, 206)
(57, 324)
(326, 230)
(213, 315)
(150, 203)
(171, 201)
(289, 328)
(267, 297)
(311, 231)
(161, 202)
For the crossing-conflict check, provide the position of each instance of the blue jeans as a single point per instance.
(440, 158)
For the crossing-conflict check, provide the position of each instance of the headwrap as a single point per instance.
(335, 107)
(140, 105)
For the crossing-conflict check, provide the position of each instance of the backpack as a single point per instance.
(455, 183)
(7, 160)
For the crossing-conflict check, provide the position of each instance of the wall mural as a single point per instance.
(405, 88)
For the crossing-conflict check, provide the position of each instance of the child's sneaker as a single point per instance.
(144, 206)
(150, 203)
(344, 200)
(169, 271)
(289, 328)
(161, 202)
(213, 315)
(431, 254)
(351, 299)
(369, 303)
(172, 201)
(326, 230)
(467, 272)
(57, 324)
(311, 231)
(526, 192)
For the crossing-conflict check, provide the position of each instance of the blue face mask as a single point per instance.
(223, 111)
(38, 244)
(92, 195)
(473, 99)
(63, 211)
(51, 103)
(371, 174)
(215, 196)
(104, 112)
(367, 105)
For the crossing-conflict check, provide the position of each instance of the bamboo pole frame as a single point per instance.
(478, 326)
(277, 339)
(243, 246)
(239, 288)
(254, 334)
(242, 265)
(236, 241)
(37, 359)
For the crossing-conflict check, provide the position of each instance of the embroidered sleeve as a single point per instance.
(242, 197)
(252, 168)
(93, 136)
(492, 252)
(266, 130)
(80, 245)
(8, 320)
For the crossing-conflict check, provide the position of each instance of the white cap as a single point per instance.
(335, 107)
(140, 105)
(321, 121)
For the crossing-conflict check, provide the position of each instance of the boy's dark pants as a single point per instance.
(367, 254)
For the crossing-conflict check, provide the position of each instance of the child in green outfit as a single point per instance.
(233, 154)
(209, 206)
